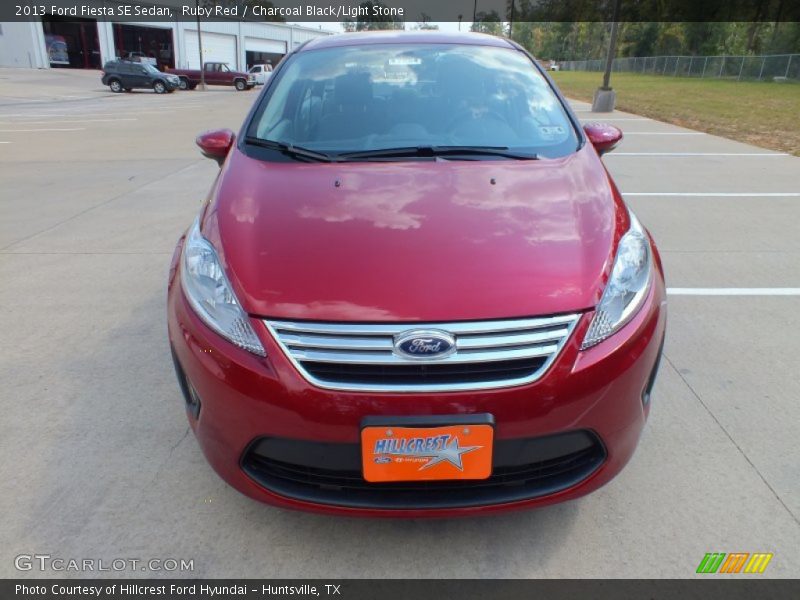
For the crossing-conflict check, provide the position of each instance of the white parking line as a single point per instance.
(733, 291)
(664, 133)
(66, 121)
(699, 154)
(603, 120)
(74, 114)
(719, 194)
(48, 129)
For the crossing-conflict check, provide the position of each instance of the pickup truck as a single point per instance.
(216, 73)
(261, 73)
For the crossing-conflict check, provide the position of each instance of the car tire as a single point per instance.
(116, 86)
(184, 85)
(159, 87)
(192, 86)
(241, 85)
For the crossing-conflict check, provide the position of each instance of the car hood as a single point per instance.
(415, 241)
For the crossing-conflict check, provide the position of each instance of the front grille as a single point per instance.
(361, 357)
(329, 473)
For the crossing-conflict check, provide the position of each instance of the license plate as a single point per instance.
(426, 453)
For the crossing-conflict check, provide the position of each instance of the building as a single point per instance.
(73, 42)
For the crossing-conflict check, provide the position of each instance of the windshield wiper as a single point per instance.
(290, 149)
(423, 151)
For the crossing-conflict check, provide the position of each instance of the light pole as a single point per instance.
(605, 97)
(459, 21)
(200, 49)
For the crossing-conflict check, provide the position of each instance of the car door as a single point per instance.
(258, 72)
(126, 75)
(141, 77)
(212, 73)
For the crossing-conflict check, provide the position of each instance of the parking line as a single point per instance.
(664, 133)
(733, 291)
(66, 121)
(617, 119)
(719, 194)
(77, 113)
(49, 129)
(699, 154)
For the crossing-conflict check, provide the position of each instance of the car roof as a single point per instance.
(405, 37)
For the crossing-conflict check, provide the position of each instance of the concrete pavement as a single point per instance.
(96, 458)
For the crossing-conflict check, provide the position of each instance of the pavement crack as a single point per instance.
(179, 442)
(730, 437)
(161, 467)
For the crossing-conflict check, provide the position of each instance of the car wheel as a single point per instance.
(184, 85)
(159, 87)
(115, 85)
(241, 85)
(192, 86)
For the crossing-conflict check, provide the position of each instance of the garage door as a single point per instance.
(217, 47)
(265, 46)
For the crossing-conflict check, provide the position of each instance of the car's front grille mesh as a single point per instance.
(331, 473)
(358, 356)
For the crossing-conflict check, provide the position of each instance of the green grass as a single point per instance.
(765, 114)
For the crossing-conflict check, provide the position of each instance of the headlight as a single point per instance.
(627, 286)
(210, 294)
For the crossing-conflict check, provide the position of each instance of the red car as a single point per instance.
(214, 73)
(414, 289)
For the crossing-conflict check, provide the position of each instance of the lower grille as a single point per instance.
(365, 356)
(325, 473)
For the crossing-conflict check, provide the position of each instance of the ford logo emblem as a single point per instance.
(424, 344)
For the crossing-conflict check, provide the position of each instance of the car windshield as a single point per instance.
(150, 68)
(362, 99)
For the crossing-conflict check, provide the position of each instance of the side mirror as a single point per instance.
(604, 137)
(216, 144)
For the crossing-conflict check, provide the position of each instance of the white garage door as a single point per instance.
(217, 47)
(268, 46)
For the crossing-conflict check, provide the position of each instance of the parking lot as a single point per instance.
(96, 455)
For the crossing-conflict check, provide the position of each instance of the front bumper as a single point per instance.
(241, 403)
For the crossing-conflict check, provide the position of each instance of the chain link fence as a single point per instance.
(773, 67)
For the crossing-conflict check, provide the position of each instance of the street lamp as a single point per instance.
(200, 49)
(605, 97)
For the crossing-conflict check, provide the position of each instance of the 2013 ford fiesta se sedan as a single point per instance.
(414, 289)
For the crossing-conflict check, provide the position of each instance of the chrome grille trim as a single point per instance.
(477, 342)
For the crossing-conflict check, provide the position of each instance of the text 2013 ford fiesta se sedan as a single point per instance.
(414, 290)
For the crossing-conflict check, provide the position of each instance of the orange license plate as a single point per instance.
(392, 453)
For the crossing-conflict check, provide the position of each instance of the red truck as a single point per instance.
(216, 73)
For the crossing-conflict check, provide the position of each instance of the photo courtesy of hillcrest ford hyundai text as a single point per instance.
(414, 289)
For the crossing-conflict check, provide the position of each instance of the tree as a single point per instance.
(424, 23)
(488, 23)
